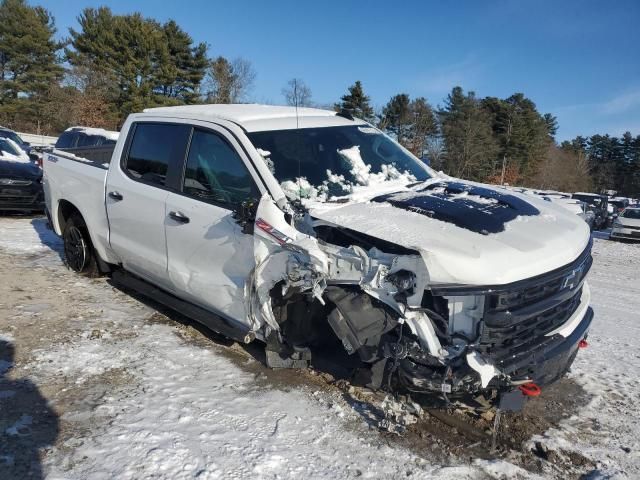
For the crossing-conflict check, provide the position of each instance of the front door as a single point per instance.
(209, 257)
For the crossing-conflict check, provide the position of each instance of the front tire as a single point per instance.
(78, 249)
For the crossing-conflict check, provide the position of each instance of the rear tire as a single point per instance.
(78, 249)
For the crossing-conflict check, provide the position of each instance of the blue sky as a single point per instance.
(579, 60)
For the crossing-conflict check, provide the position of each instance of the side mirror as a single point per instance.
(245, 215)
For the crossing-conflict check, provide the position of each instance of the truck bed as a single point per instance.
(80, 181)
(101, 154)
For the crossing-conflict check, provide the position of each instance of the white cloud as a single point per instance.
(622, 103)
(442, 79)
(613, 116)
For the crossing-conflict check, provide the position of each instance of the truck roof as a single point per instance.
(255, 117)
(112, 135)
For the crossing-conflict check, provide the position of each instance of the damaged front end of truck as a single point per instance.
(403, 331)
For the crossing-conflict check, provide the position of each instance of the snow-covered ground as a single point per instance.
(142, 398)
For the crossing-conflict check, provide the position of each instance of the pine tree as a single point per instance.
(423, 126)
(356, 103)
(29, 63)
(396, 118)
(186, 64)
(521, 132)
(470, 148)
(151, 64)
(552, 124)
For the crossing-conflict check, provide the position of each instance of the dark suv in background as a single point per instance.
(26, 146)
(20, 181)
(95, 143)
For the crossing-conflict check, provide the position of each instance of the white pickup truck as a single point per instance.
(306, 228)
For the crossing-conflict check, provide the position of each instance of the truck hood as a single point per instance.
(467, 233)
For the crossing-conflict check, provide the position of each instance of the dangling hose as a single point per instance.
(396, 361)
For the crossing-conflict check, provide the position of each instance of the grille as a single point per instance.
(14, 182)
(516, 319)
(17, 200)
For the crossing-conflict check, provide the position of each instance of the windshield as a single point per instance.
(321, 163)
(631, 213)
(6, 147)
(12, 135)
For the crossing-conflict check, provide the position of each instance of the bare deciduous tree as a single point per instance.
(297, 93)
(564, 170)
(228, 81)
(434, 148)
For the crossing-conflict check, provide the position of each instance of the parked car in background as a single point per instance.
(95, 143)
(598, 204)
(618, 204)
(20, 180)
(331, 234)
(627, 225)
(33, 154)
(575, 206)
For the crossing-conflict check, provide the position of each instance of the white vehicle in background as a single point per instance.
(576, 207)
(10, 151)
(304, 228)
(627, 225)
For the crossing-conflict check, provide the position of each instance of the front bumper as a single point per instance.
(26, 198)
(552, 359)
(626, 233)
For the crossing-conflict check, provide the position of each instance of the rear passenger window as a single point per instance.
(85, 140)
(215, 172)
(65, 140)
(154, 148)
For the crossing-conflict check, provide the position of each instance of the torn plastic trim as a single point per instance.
(421, 327)
(485, 369)
(284, 254)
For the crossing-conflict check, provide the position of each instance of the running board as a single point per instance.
(233, 330)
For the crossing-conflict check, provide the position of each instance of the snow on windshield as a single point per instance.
(327, 163)
(301, 188)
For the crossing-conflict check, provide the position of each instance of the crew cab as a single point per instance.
(304, 228)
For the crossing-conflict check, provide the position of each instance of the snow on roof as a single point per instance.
(111, 135)
(588, 194)
(255, 117)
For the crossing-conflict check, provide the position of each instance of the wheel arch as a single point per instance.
(65, 211)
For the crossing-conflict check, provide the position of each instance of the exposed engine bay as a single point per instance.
(376, 298)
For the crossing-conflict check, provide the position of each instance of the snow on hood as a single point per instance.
(467, 233)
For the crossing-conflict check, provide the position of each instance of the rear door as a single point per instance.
(137, 190)
(210, 258)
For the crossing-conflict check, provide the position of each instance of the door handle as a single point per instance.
(116, 196)
(179, 217)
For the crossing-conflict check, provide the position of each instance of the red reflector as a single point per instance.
(530, 389)
(583, 343)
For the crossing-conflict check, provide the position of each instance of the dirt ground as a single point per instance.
(41, 304)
